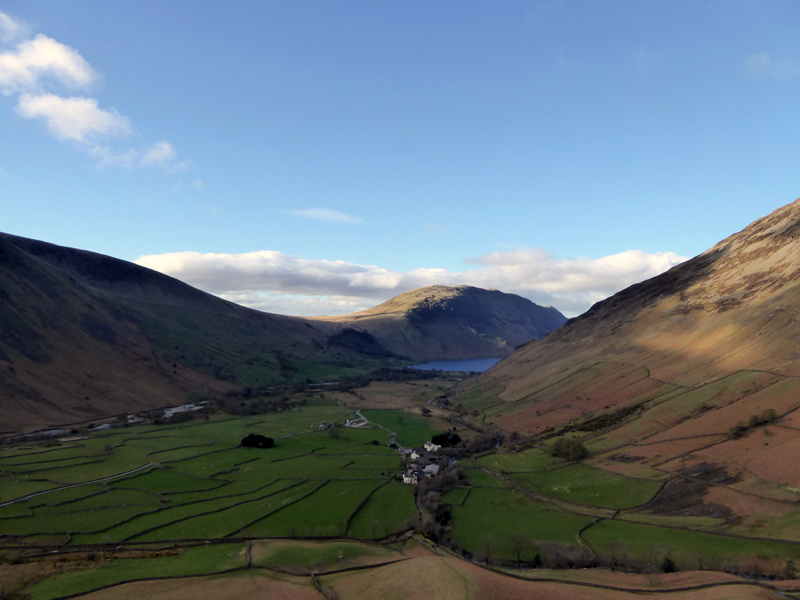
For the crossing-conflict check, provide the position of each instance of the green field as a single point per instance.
(587, 485)
(648, 545)
(412, 430)
(489, 518)
(194, 561)
(534, 459)
(389, 508)
(195, 484)
(195, 481)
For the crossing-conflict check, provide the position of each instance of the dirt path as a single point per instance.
(66, 487)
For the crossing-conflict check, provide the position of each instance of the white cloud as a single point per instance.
(197, 184)
(109, 157)
(762, 66)
(38, 68)
(326, 214)
(39, 61)
(161, 155)
(73, 118)
(260, 279)
(11, 29)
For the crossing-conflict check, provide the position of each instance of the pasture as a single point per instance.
(194, 481)
(191, 485)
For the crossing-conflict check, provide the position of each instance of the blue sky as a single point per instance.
(315, 158)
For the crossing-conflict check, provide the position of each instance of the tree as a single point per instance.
(569, 449)
(486, 542)
(257, 441)
(668, 565)
(519, 543)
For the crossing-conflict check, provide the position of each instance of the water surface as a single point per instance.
(464, 366)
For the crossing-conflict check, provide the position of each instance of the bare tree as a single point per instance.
(519, 543)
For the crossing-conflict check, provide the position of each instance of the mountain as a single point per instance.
(440, 322)
(696, 371)
(84, 336)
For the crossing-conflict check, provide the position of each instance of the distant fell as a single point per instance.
(454, 322)
(85, 336)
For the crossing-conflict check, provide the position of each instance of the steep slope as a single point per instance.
(694, 372)
(440, 322)
(84, 335)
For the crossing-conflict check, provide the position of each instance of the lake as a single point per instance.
(474, 364)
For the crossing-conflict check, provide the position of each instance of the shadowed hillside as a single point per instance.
(84, 335)
(437, 322)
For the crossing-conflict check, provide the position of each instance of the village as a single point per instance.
(421, 462)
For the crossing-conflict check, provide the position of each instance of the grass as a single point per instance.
(389, 509)
(321, 557)
(534, 459)
(231, 520)
(586, 485)
(311, 484)
(86, 521)
(102, 500)
(412, 430)
(223, 459)
(480, 478)
(166, 481)
(649, 544)
(322, 513)
(12, 488)
(489, 517)
(169, 515)
(455, 495)
(194, 561)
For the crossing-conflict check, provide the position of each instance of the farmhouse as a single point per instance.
(421, 462)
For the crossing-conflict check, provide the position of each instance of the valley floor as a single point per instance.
(120, 512)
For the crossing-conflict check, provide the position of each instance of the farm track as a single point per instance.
(74, 485)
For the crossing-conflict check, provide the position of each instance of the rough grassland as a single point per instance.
(194, 561)
(688, 549)
(534, 459)
(586, 485)
(308, 556)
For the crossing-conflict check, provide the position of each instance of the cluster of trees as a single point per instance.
(247, 406)
(255, 440)
(569, 448)
(765, 418)
(448, 438)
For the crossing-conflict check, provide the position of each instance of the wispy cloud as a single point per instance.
(258, 279)
(763, 66)
(326, 214)
(11, 30)
(157, 155)
(646, 61)
(39, 70)
(76, 119)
